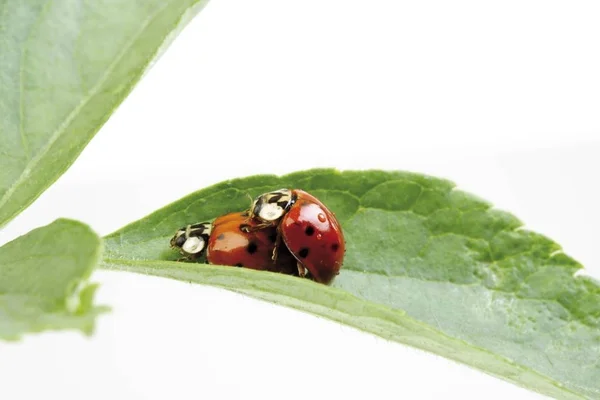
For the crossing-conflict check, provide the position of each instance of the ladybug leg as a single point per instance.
(301, 269)
(277, 244)
(257, 227)
(183, 257)
(190, 258)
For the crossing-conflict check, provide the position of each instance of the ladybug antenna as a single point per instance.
(249, 211)
(251, 200)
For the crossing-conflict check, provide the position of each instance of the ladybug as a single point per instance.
(231, 240)
(309, 230)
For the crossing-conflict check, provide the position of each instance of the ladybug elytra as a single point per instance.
(310, 231)
(232, 240)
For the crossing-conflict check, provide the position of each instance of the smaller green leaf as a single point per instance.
(43, 278)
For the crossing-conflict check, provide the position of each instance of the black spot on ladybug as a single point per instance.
(239, 265)
(273, 237)
(252, 247)
(221, 236)
(335, 247)
(309, 230)
(303, 253)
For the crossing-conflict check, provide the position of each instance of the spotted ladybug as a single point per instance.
(230, 240)
(309, 230)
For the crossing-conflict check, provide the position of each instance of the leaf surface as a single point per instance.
(66, 65)
(43, 280)
(426, 265)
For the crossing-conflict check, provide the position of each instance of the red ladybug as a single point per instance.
(309, 230)
(231, 240)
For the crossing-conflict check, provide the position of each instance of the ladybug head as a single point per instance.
(271, 206)
(192, 239)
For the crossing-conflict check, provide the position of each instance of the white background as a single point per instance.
(501, 97)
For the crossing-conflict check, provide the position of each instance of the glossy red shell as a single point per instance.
(230, 245)
(314, 236)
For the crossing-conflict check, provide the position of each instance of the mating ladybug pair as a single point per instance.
(288, 231)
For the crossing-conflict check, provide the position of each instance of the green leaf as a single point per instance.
(426, 265)
(66, 65)
(43, 278)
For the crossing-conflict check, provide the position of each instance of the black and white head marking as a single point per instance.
(192, 239)
(271, 206)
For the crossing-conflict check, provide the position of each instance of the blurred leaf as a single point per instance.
(66, 65)
(43, 278)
